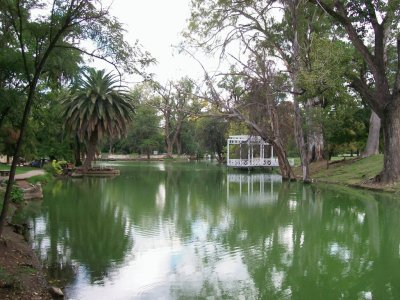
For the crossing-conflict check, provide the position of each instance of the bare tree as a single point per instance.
(262, 100)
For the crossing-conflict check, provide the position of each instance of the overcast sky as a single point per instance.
(158, 24)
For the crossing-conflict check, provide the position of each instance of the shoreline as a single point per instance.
(21, 273)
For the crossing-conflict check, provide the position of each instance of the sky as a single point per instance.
(158, 24)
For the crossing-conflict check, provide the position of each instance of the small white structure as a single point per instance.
(251, 151)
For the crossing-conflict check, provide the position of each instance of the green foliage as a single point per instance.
(40, 178)
(189, 139)
(48, 138)
(345, 125)
(98, 105)
(144, 133)
(55, 167)
(8, 280)
(212, 134)
(17, 196)
(325, 77)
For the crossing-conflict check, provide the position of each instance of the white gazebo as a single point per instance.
(249, 151)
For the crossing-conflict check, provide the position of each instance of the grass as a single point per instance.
(26, 269)
(45, 178)
(7, 280)
(353, 172)
(297, 161)
(20, 170)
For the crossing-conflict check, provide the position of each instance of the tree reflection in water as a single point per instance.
(191, 230)
(81, 227)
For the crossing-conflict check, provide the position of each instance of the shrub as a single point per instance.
(17, 195)
(55, 167)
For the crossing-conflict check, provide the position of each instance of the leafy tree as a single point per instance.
(49, 138)
(212, 134)
(188, 139)
(372, 26)
(98, 107)
(177, 102)
(144, 133)
(345, 125)
(57, 24)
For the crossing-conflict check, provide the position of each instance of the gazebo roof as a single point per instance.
(246, 139)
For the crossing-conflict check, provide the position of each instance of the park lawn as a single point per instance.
(20, 170)
(351, 170)
(354, 172)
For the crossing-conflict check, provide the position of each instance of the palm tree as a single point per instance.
(98, 107)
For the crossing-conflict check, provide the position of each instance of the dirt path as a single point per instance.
(29, 174)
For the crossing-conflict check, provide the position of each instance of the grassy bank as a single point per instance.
(358, 172)
(20, 170)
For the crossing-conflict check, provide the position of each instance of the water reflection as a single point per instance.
(252, 189)
(190, 230)
(75, 230)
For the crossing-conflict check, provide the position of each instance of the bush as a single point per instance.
(17, 195)
(55, 167)
(40, 178)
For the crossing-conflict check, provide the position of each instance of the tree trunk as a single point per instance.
(169, 147)
(91, 152)
(315, 137)
(284, 165)
(78, 161)
(299, 134)
(295, 68)
(372, 146)
(391, 135)
(178, 145)
(315, 143)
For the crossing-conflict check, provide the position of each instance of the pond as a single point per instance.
(196, 230)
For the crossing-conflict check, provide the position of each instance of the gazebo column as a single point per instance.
(240, 153)
(272, 153)
(261, 153)
(248, 153)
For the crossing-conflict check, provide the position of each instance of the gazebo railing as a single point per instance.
(255, 162)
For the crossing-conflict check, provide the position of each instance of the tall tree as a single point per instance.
(177, 102)
(371, 25)
(144, 133)
(58, 24)
(276, 26)
(252, 97)
(98, 107)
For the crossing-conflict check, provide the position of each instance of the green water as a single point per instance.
(196, 231)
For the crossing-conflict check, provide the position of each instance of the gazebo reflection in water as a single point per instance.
(252, 189)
